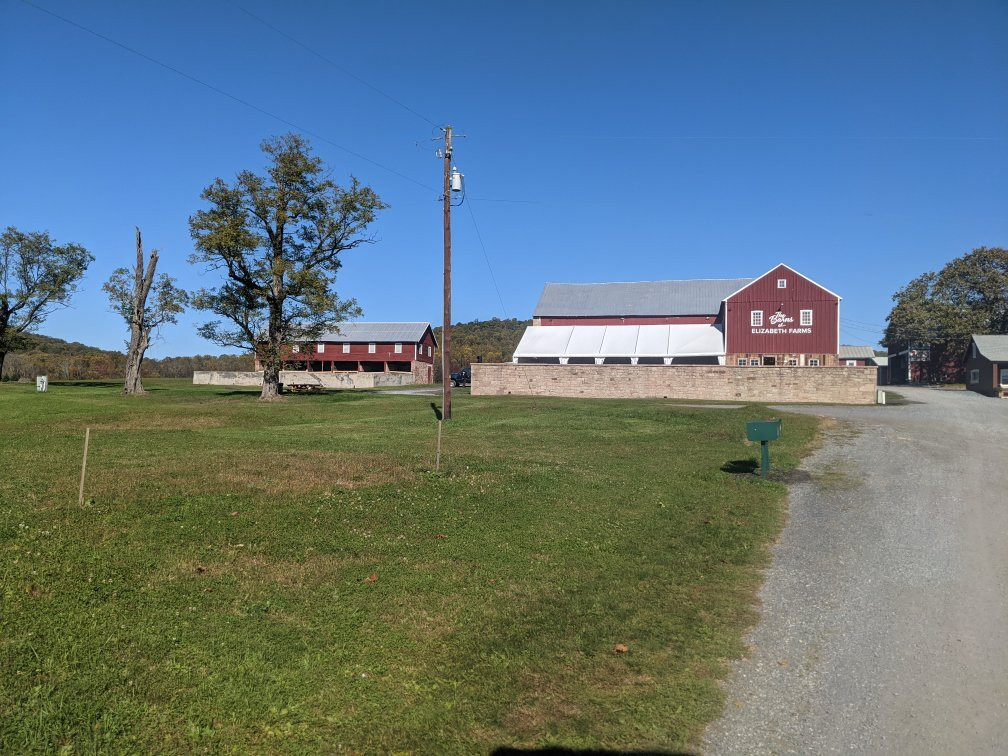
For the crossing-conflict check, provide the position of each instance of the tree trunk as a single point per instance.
(272, 363)
(139, 329)
(271, 382)
(134, 386)
(3, 356)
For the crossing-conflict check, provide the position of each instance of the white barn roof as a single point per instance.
(687, 340)
(637, 298)
(379, 332)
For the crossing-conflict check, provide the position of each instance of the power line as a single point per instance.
(230, 96)
(862, 322)
(335, 65)
(487, 258)
(495, 200)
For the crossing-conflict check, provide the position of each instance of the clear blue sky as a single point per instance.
(860, 142)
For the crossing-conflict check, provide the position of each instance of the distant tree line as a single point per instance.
(492, 340)
(72, 361)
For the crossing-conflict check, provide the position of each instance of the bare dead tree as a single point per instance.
(130, 299)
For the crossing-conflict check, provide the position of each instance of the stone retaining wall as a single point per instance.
(329, 380)
(834, 385)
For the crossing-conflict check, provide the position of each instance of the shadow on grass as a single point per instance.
(88, 384)
(751, 468)
(332, 395)
(741, 466)
(554, 751)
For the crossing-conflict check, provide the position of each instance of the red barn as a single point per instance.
(779, 318)
(782, 318)
(368, 347)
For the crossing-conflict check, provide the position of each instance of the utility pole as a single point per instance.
(446, 328)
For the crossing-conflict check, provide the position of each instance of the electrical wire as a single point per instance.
(487, 258)
(298, 127)
(335, 65)
(493, 199)
(227, 94)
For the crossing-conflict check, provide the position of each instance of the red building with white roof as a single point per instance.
(779, 318)
(368, 347)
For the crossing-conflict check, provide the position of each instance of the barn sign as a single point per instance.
(781, 323)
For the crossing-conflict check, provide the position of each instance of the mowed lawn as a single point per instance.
(296, 577)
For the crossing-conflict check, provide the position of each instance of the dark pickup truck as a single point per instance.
(462, 377)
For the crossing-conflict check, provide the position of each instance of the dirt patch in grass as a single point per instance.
(149, 422)
(260, 570)
(552, 699)
(263, 472)
(835, 477)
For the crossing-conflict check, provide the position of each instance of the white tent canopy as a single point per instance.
(621, 341)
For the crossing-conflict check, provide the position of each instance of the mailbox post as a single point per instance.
(763, 431)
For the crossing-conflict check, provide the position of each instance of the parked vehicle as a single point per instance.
(462, 377)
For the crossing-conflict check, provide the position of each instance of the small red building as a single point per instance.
(987, 364)
(368, 347)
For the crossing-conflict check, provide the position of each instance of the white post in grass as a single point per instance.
(83, 470)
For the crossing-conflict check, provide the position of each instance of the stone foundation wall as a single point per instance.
(422, 372)
(327, 379)
(833, 385)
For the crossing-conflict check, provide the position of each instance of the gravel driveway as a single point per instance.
(885, 612)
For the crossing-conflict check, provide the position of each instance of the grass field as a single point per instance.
(295, 577)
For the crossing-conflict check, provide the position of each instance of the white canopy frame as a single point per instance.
(668, 342)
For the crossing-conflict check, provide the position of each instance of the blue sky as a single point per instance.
(862, 143)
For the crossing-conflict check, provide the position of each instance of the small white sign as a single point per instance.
(781, 323)
(41, 382)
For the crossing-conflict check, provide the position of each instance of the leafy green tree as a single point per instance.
(940, 310)
(130, 293)
(278, 238)
(37, 276)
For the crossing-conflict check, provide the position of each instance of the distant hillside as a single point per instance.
(70, 360)
(494, 340)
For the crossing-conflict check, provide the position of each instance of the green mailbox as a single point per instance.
(763, 431)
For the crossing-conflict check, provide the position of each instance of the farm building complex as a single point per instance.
(771, 338)
(781, 318)
(367, 347)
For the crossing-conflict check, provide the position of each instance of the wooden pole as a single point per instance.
(446, 327)
(83, 470)
(437, 463)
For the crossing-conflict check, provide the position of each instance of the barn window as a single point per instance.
(428, 350)
(371, 348)
(1004, 376)
(792, 362)
(781, 283)
(813, 362)
(756, 318)
(398, 348)
(320, 348)
(754, 362)
(296, 348)
(851, 363)
(974, 376)
(806, 317)
(741, 362)
(974, 351)
(346, 347)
